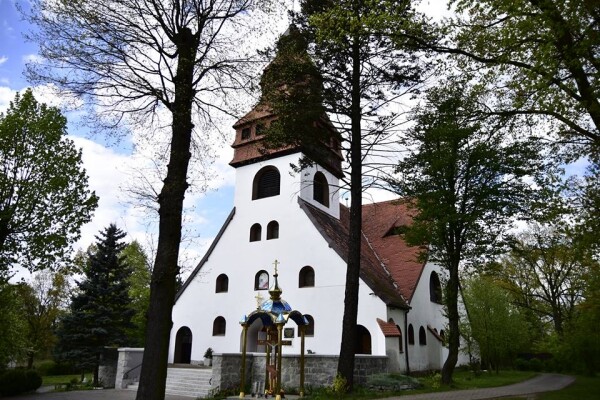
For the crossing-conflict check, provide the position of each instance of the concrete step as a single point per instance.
(189, 382)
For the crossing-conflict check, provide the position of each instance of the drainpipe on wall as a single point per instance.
(406, 341)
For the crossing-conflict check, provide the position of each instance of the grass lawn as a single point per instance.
(462, 380)
(585, 387)
(61, 379)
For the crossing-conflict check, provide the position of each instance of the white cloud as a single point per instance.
(32, 58)
(6, 96)
(3, 59)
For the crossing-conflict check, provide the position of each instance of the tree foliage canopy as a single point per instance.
(44, 195)
(542, 57)
(498, 328)
(546, 272)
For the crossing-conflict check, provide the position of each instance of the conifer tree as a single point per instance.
(100, 313)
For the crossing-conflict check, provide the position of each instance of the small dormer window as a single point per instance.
(397, 230)
(245, 133)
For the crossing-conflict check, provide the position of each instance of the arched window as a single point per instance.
(222, 284)
(261, 280)
(255, 232)
(363, 340)
(411, 334)
(306, 277)
(422, 336)
(310, 328)
(266, 183)
(435, 288)
(219, 326)
(400, 342)
(273, 230)
(321, 189)
(443, 336)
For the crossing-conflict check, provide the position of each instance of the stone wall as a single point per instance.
(128, 366)
(107, 371)
(319, 370)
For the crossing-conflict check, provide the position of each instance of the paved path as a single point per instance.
(105, 394)
(541, 383)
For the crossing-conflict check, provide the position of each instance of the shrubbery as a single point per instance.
(51, 368)
(15, 381)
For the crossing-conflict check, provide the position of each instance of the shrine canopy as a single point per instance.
(275, 310)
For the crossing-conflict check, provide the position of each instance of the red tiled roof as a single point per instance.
(258, 111)
(401, 260)
(372, 272)
(388, 329)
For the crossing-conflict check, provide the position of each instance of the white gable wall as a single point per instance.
(299, 244)
(425, 312)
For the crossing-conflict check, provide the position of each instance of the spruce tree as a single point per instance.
(100, 311)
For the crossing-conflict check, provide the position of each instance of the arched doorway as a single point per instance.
(183, 346)
(256, 333)
(363, 340)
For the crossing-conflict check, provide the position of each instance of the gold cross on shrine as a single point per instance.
(276, 263)
(259, 300)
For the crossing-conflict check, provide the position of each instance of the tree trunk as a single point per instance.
(96, 369)
(453, 320)
(347, 348)
(162, 287)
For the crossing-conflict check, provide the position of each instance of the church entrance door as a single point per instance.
(183, 346)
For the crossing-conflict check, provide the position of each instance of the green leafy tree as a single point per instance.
(545, 271)
(139, 289)
(352, 73)
(44, 196)
(540, 57)
(494, 323)
(169, 63)
(100, 313)
(465, 176)
(12, 326)
(42, 303)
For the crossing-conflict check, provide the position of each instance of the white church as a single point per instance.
(298, 220)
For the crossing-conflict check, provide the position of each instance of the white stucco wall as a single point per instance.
(299, 244)
(425, 312)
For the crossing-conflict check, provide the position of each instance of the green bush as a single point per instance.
(15, 381)
(522, 364)
(392, 382)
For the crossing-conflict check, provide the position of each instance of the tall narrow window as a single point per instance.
(219, 326)
(266, 183)
(435, 288)
(310, 328)
(272, 230)
(255, 232)
(261, 280)
(411, 334)
(222, 284)
(422, 336)
(321, 189)
(306, 277)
